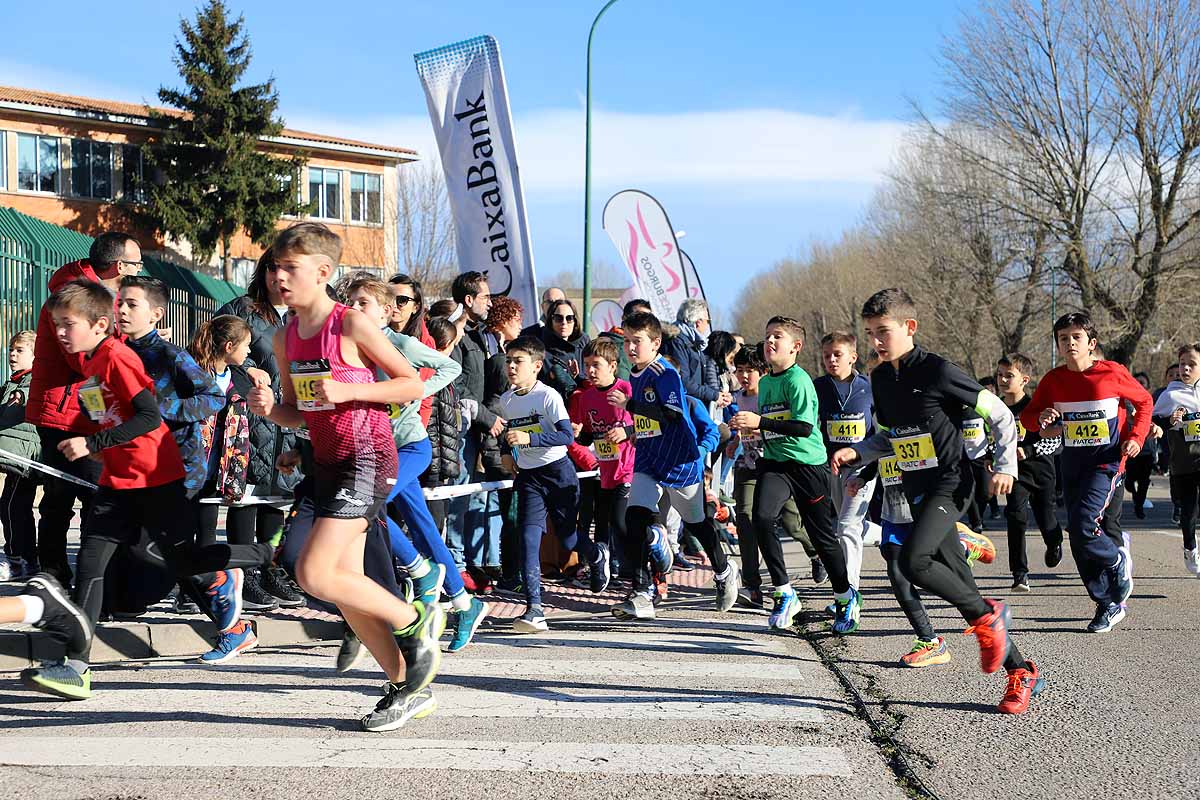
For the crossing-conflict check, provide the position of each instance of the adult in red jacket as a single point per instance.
(53, 404)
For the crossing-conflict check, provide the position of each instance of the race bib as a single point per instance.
(1191, 427)
(531, 425)
(606, 450)
(305, 375)
(972, 431)
(1085, 429)
(889, 471)
(1021, 431)
(645, 427)
(91, 397)
(915, 452)
(393, 410)
(846, 429)
(777, 411)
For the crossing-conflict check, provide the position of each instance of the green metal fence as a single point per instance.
(32, 249)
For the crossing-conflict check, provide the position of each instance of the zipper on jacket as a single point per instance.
(62, 404)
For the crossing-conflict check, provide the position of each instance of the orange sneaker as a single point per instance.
(1024, 683)
(992, 632)
(978, 547)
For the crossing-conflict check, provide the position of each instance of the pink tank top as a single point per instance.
(359, 432)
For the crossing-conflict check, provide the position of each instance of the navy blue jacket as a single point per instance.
(846, 417)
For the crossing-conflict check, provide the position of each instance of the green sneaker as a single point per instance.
(846, 619)
(428, 588)
(59, 679)
(419, 646)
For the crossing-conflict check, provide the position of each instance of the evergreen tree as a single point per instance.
(212, 181)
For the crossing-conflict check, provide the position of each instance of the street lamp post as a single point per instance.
(587, 177)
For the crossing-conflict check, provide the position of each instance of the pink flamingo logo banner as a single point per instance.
(642, 233)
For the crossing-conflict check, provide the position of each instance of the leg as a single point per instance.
(1093, 516)
(109, 525)
(689, 502)
(907, 595)
(1041, 498)
(375, 633)
(793, 526)
(58, 504)
(1017, 517)
(456, 517)
(639, 516)
(811, 486)
(407, 502)
(744, 483)
(531, 521)
(772, 491)
(851, 526)
(933, 559)
(975, 508)
(1186, 488)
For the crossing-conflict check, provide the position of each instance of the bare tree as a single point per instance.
(426, 224)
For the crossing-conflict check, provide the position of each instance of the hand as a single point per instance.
(576, 429)
(1155, 431)
(261, 401)
(854, 485)
(724, 400)
(616, 435)
(517, 438)
(74, 448)
(1048, 417)
(259, 376)
(1000, 484)
(327, 390)
(1177, 416)
(1130, 448)
(573, 368)
(165, 334)
(497, 427)
(1020, 454)
(618, 398)
(842, 458)
(288, 461)
(745, 421)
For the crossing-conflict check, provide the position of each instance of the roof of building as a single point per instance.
(92, 106)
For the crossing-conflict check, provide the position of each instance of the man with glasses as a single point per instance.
(549, 297)
(53, 404)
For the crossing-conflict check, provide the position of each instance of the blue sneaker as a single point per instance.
(428, 588)
(601, 573)
(468, 622)
(226, 599)
(846, 620)
(787, 606)
(1120, 579)
(660, 550)
(230, 645)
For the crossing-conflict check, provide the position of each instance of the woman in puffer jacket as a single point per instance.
(564, 339)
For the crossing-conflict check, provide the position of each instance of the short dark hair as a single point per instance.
(751, 356)
(840, 337)
(530, 345)
(90, 300)
(642, 322)
(791, 325)
(442, 331)
(155, 290)
(1076, 319)
(894, 302)
(634, 305)
(602, 347)
(109, 248)
(1191, 347)
(467, 285)
(1025, 364)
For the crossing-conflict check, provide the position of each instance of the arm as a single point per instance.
(203, 397)
(446, 369)
(1004, 431)
(786, 427)
(871, 449)
(262, 399)
(709, 389)
(146, 418)
(562, 436)
(653, 411)
(373, 347)
(1041, 400)
(1143, 406)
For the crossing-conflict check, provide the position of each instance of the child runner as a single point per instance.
(1083, 401)
(1178, 411)
(919, 398)
(1035, 475)
(327, 357)
(547, 488)
(20, 484)
(141, 489)
(666, 456)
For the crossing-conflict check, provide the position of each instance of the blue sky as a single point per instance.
(760, 126)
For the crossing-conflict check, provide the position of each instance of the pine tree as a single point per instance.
(212, 181)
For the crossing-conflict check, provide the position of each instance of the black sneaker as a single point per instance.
(601, 572)
(1107, 616)
(254, 596)
(682, 564)
(819, 574)
(419, 646)
(275, 583)
(182, 604)
(1021, 584)
(351, 652)
(398, 706)
(1054, 555)
(62, 619)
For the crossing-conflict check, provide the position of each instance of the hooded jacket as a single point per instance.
(556, 372)
(16, 435)
(1184, 438)
(684, 345)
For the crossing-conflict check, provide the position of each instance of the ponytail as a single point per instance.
(208, 345)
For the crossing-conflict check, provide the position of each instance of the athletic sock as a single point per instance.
(419, 607)
(35, 607)
(785, 589)
(844, 597)
(461, 601)
(724, 575)
(77, 665)
(419, 568)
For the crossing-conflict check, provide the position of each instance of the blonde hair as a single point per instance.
(372, 286)
(22, 337)
(308, 239)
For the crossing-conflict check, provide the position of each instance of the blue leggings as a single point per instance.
(406, 502)
(550, 492)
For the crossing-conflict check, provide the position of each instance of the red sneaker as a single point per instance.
(992, 631)
(469, 582)
(1023, 685)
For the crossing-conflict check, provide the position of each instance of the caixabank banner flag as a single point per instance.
(642, 234)
(468, 104)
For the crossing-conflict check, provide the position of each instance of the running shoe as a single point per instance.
(680, 562)
(978, 546)
(637, 605)
(927, 653)
(727, 589)
(601, 573)
(510, 586)
(254, 596)
(1021, 584)
(1176, 514)
(1120, 580)
(1191, 558)
(63, 620)
(1024, 684)
(428, 587)
(351, 653)
(753, 598)
(1106, 618)
(661, 588)
(1054, 554)
(225, 599)
(182, 604)
(846, 619)
(660, 549)
(232, 644)
(6, 570)
(59, 679)
(819, 573)
(787, 606)
(992, 632)
(287, 594)
(397, 707)
(24, 569)
(532, 621)
(469, 621)
(419, 645)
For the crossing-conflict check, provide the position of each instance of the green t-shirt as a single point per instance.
(791, 395)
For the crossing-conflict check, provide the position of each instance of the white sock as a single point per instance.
(418, 570)
(461, 601)
(844, 597)
(35, 607)
(785, 589)
(724, 575)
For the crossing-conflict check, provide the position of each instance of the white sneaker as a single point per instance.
(1192, 559)
(6, 571)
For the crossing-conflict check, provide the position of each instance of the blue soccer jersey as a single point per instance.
(666, 451)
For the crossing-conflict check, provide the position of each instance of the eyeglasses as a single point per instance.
(137, 264)
(402, 300)
(563, 317)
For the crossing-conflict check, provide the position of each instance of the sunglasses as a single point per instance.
(563, 318)
(402, 300)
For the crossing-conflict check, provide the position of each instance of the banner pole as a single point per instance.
(587, 177)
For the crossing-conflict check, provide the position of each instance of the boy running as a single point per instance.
(1084, 402)
(919, 398)
(1177, 410)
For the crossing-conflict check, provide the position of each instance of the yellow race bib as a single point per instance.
(393, 410)
(1191, 427)
(846, 431)
(645, 427)
(889, 471)
(606, 450)
(915, 452)
(972, 431)
(305, 375)
(777, 412)
(91, 397)
(1085, 429)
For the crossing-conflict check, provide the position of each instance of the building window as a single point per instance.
(132, 188)
(91, 169)
(366, 190)
(37, 163)
(325, 192)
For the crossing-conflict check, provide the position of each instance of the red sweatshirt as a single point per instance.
(1093, 414)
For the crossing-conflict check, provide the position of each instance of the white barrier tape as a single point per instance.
(447, 492)
(277, 500)
(40, 467)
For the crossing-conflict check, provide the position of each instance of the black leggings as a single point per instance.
(810, 485)
(1038, 492)
(1186, 489)
(243, 524)
(16, 517)
(907, 595)
(1137, 478)
(611, 505)
(981, 496)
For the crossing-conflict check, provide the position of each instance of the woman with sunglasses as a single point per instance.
(408, 317)
(564, 340)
